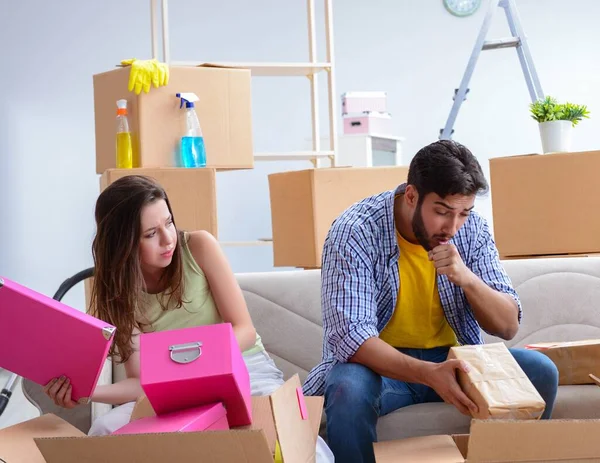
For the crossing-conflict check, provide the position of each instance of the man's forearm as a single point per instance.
(496, 312)
(386, 361)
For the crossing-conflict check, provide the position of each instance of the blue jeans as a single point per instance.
(356, 396)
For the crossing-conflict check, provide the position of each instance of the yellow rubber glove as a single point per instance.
(145, 73)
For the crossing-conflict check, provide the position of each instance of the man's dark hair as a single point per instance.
(446, 167)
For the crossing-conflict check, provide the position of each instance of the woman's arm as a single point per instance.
(224, 287)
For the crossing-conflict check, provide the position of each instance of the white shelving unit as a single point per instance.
(308, 69)
(277, 69)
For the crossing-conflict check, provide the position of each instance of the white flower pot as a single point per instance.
(556, 136)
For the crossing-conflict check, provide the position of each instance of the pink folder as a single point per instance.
(41, 339)
(196, 366)
(204, 418)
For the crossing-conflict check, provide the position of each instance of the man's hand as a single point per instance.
(441, 377)
(448, 262)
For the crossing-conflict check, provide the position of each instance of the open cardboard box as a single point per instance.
(279, 417)
(501, 441)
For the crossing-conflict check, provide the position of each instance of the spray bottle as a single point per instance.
(124, 148)
(193, 152)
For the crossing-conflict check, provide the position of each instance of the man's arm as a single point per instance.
(486, 285)
(350, 321)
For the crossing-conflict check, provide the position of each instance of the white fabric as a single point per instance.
(265, 378)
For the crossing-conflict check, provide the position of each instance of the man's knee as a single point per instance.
(538, 367)
(352, 384)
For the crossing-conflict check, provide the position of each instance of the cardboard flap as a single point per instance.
(17, 444)
(547, 440)
(428, 449)
(294, 433)
(595, 379)
(211, 446)
(262, 418)
(314, 405)
(142, 409)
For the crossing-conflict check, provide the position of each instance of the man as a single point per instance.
(407, 274)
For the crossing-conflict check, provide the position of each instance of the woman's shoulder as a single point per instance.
(201, 245)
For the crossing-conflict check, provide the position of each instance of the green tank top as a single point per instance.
(198, 308)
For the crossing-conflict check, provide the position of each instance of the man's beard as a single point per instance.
(418, 227)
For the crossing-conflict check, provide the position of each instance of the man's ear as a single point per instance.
(411, 195)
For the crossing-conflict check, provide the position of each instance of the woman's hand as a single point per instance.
(59, 390)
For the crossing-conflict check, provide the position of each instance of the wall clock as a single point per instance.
(462, 7)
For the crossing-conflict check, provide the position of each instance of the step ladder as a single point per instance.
(518, 41)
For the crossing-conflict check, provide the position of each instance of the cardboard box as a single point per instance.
(497, 384)
(192, 194)
(200, 365)
(595, 379)
(157, 123)
(211, 417)
(17, 444)
(276, 418)
(501, 441)
(575, 360)
(532, 216)
(304, 204)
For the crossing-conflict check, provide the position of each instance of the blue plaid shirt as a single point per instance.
(360, 280)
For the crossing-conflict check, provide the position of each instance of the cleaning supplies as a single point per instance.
(124, 148)
(193, 152)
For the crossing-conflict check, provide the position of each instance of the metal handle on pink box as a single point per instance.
(186, 353)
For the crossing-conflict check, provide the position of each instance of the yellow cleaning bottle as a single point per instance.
(124, 148)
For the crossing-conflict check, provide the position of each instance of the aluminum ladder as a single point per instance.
(518, 41)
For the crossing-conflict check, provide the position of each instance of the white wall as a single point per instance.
(414, 50)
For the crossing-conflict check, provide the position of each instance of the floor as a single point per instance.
(18, 409)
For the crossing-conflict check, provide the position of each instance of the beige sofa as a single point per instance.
(561, 301)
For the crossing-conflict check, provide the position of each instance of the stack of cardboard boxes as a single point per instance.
(157, 124)
(545, 205)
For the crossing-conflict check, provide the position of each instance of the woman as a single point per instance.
(151, 277)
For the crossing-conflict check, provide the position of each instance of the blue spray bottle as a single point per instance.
(193, 152)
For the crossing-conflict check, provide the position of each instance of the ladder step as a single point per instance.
(509, 42)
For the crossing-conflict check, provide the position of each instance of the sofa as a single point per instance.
(561, 302)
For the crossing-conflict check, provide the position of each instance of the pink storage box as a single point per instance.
(196, 366)
(41, 339)
(204, 418)
(360, 102)
(369, 123)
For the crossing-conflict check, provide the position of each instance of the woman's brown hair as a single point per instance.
(118, 279)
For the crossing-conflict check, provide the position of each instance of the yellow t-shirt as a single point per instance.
(418, 320)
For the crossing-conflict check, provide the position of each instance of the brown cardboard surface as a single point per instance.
(575, 360)
(224, 110)
(192, 194)
(501, 441)
(497, 384)
(215, 446)
(547, 440)
(304, 204)
(293, 432)
(17, 443)
(429, 449)
(531, 214)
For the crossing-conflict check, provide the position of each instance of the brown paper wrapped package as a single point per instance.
(575, 360)
(497, 384)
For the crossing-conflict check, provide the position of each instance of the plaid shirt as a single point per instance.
(360, 280)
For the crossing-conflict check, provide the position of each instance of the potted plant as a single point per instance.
(556, 122)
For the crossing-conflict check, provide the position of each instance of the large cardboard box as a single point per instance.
(17, 444)
(546, 204)
(304, 204)
(157, 122)
(497, 384)
(192, 194)
(500, 442)
(276, 418)
(575, 361)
